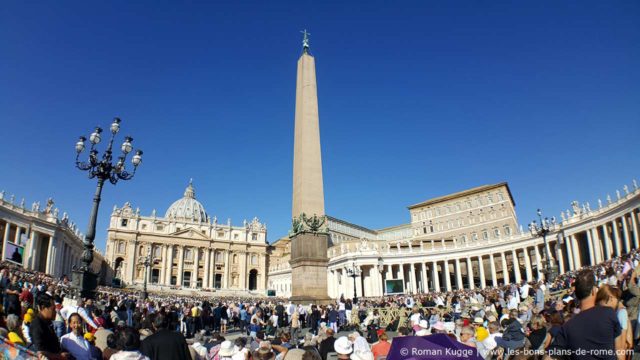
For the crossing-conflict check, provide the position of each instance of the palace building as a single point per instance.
(465, 240)
(186, 249)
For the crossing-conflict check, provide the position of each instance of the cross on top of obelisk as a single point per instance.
(305, 41)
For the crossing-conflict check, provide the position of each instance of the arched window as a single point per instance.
(485, 235)
(141, 250)
(121, 247)
(254, 259)
(496, 233)
(235, 258)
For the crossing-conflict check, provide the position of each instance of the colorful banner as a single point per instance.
(15, 352)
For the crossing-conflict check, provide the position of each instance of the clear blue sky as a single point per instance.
(417, 99)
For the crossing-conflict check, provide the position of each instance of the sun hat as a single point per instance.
(343, 346)
(478, 320)
(491, 318)
(423, 324)
(227, 349)
(481, 333)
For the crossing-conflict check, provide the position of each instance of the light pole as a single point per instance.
(103, 169)
(354, 272)
(146, 262)
(551, 270)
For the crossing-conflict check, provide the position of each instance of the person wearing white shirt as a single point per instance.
(512, 302)
(524, 291)
(75, 343)
(70, 309)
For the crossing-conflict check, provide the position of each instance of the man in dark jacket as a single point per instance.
(165, 344)
(326, 346)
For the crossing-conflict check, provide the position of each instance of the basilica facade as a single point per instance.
(186, 249)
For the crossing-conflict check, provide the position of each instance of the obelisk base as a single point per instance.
(309, 268)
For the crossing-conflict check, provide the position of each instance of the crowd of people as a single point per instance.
(595, 316)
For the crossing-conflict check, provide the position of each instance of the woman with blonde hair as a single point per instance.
(610, 296)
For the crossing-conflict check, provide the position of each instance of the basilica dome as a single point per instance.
(187, 208)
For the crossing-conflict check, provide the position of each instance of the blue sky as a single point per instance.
(417, 99)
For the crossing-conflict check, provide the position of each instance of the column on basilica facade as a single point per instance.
(196, 261)
(616, 238)
(494, 275)
(131, 261)
(567, 244)
(225, 276)
(536, 252)
(401, 276)
(598, 244)
(607, 242)
(207, 268)
(169, 264)
(180, 265)
(560, 257)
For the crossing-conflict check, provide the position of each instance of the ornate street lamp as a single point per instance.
(103, 169)
(354, 272)
(551, 270)
(147, 262)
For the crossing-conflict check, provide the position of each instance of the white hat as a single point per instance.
(342, 345)
(478, 320)
(423, 324)
(227, 349)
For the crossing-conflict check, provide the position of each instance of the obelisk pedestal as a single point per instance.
(309, 268)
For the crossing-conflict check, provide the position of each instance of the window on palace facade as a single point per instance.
(254, 259)
(474, 237)
(144, 226)
(219, 256)
(235, 258)
(468, 204)
(507, 230)
(424, 230)
(490, 198)
(160, 227)
(496, 233)
(485, 235)
(156, 252)
(500, 196)
(141, 250)
(235, 236)
(124, 222)
(187, 254)
(464, 238)
(220, 234)
(254, 236)
(121, 247)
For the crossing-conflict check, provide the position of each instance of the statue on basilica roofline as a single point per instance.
(49, 207)
(576, 208)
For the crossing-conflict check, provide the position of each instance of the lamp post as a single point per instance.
(146, 262)
(354, 272)
(103, 169)
(551, 270)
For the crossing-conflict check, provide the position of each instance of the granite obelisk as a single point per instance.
(308, 239)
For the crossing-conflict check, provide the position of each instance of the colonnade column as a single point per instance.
(567, 245)
(436, 278)
(576, 252)
(458, 274)
(505, 271)
(560, 258)
(494, 276)
(425, 282)
(538, 263)
(401, 276)
(180, 265)
(448, 275)
(592, 259)
(597, 244)
(634, 226)
(516, 266)
(483, 283)
(625, 233)
(412, 277)
(470, 273)
(616, 237)
(607, 242)
(527, 264)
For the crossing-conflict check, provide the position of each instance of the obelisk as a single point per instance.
(308, 243)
